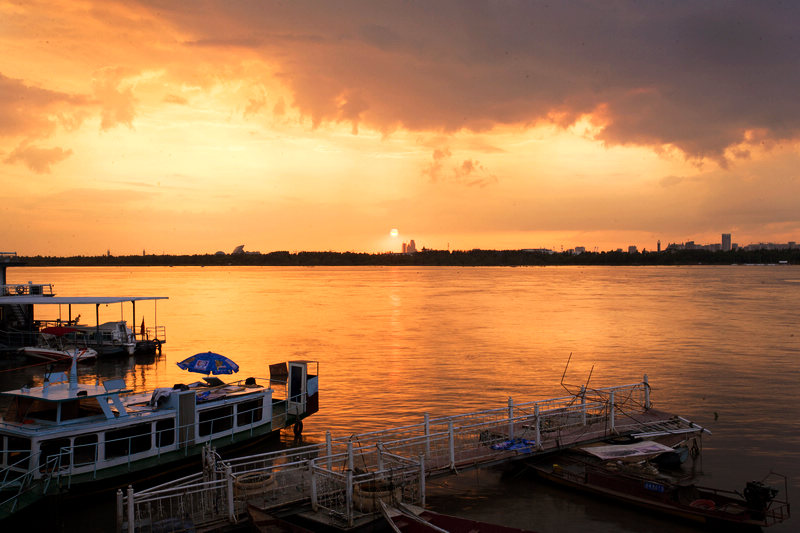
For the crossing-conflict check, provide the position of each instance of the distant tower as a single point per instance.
(659, 245)
(412, 247)
(726, 242)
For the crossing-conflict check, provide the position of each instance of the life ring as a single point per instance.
(298, 428)
(20, 289)
(703, 504)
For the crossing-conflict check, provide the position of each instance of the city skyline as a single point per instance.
(180, 129)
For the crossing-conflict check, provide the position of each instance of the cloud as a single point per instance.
(115, 94)
(175, 99)
(37, 159)
(692, 76)
(32, 113)
(469, 172)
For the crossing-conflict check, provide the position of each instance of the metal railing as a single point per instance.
(388, 464)
(26, 289)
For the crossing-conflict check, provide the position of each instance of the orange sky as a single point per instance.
(177, 127)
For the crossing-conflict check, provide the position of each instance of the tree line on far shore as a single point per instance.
(432, 258)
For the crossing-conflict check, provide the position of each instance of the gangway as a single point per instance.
(341, 481)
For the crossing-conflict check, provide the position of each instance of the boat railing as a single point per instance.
(18, 479)
(26, 289)
(152, 333)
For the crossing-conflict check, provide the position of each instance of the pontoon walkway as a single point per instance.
(340, 481)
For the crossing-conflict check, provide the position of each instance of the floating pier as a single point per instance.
(340, 482)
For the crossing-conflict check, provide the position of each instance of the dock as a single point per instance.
(339, 483)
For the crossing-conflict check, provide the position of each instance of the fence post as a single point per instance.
(380, 456)
(229, 480)
(452, 444)
(427, 434)
(583, 404)
(350, 461)
(349, 498)
(120, 511)
(329, 449)
(131, 522)
(538, 426)
(646, 393)
(314, 501)
(611, 411)
(422, 478)
(510, 418)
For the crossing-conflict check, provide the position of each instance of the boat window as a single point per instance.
(84, 450)
(249, 412)
(216, 420)
(18, 451)
(128, 440)
(54, 454)
(165, 432)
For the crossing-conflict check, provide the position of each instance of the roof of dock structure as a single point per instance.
(74, 300)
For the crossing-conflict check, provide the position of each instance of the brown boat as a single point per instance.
(643, 484)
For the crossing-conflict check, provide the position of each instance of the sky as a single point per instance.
(191, 127)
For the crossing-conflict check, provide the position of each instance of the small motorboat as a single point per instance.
(56, 347)
(405, 518)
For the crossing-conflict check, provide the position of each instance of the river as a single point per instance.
(719, 344)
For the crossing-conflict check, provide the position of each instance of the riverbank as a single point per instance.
(433, 258)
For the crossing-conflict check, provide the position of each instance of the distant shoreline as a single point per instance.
(430, 258)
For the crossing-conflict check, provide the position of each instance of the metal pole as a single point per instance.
(427, 434)
(452, 444)
(314, 501)
(349, 498)
(422, 478)
(120, 510)
(379, 447)
(538, 426)
(646, 393)
(583, 404)
(131, 523)
(329, 449)
(229, 479)
(350, 460)
(611, 411)
(510, 418)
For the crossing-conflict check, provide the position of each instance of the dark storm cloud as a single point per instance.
(694, 75)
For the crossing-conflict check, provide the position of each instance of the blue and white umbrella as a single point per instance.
(209, 363)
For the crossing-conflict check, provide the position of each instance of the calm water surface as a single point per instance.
(720, 346)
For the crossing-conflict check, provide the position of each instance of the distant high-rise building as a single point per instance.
(412, 247)
(659, 245)
(632, 250)
(726, 242)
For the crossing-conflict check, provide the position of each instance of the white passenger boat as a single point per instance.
(66, 434)
(110, 338)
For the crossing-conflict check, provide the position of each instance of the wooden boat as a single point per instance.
(405, 518)
(264, 522)
(66, 435)
(641, 483)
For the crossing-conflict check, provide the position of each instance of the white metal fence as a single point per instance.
(342, 479)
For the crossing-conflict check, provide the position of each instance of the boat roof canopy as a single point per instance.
(74, 300)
